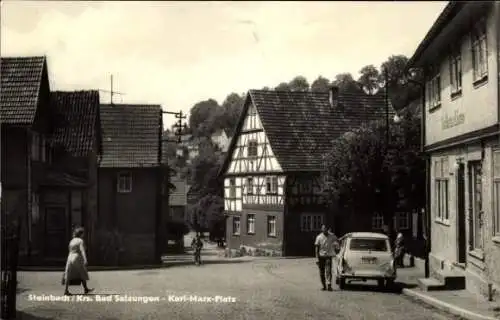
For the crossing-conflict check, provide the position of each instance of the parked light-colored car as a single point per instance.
(365, 256)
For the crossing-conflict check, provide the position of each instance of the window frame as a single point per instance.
(120, 178)
(307, 222)
(253, 148)
(251, 222)
(272, 185)
(479, 50)
(456, 71)
(433, 90)
(236, 222)
(232, 188)
(441, 190)
(250, 185)
(377, 217)
(271, 233)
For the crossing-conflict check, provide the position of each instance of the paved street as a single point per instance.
(262, 289)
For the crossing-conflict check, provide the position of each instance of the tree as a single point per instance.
(369, 79)
(359, 167)
(200, 113)
(283, 87)
(232, 106)
(401, 86)
(321, 84)
(299, 83)
(208, 213)
(346, 82)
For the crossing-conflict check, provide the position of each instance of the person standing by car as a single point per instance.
(325, 245)
(399, 250)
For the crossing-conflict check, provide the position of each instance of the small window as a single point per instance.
(455, 71)
(252, 148)
(251, 223)
(232, 188)
(359, 244)
(377, 221)
(311, 222)
(272, 185)
(236, 226)
(271, 226)
(124, 182)
(479, 51)
(249, 185)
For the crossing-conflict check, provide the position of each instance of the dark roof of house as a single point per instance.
(79, 116)
(178, 196)
(63, 179)
(130, 135)
(21, 78)
(301, 126)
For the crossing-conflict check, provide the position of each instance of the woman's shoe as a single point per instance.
(89, 290)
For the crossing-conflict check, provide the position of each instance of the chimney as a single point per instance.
(333, 96)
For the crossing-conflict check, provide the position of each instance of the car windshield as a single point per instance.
(359, 244)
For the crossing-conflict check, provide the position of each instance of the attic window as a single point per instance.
(124, 182)
(252, 148)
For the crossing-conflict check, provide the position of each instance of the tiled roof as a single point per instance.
(178, 196)
(301, 126)
(130, 135)
(21, 78)
(79, 112)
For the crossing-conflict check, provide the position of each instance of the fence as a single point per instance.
(10, 254)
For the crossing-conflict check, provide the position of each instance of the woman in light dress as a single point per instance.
(76, 272)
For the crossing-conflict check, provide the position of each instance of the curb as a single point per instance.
(444, 306)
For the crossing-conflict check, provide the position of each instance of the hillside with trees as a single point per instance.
(208, 116)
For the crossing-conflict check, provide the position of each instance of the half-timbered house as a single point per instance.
(273, 195)
(130, 181)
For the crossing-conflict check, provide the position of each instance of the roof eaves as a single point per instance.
(443, 19)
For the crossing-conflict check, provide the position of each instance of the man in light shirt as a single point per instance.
(326, 245)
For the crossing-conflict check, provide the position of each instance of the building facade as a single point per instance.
(460, 60)
(273, 194)
(130, 182)
(25, 115)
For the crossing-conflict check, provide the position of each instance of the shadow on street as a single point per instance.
(397, 288)
(170, 264)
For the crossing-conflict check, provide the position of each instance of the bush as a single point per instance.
(177, 229)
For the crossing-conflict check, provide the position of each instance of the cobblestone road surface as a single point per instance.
(261, 289)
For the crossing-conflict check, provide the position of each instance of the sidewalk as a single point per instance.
(457, 302)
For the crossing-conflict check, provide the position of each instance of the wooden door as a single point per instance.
(56, 232)
(461, 215)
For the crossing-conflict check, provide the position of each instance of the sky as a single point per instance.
(179, 53)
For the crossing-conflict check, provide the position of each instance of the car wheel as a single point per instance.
(342, 283)
(381, 283)
(390, 283)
